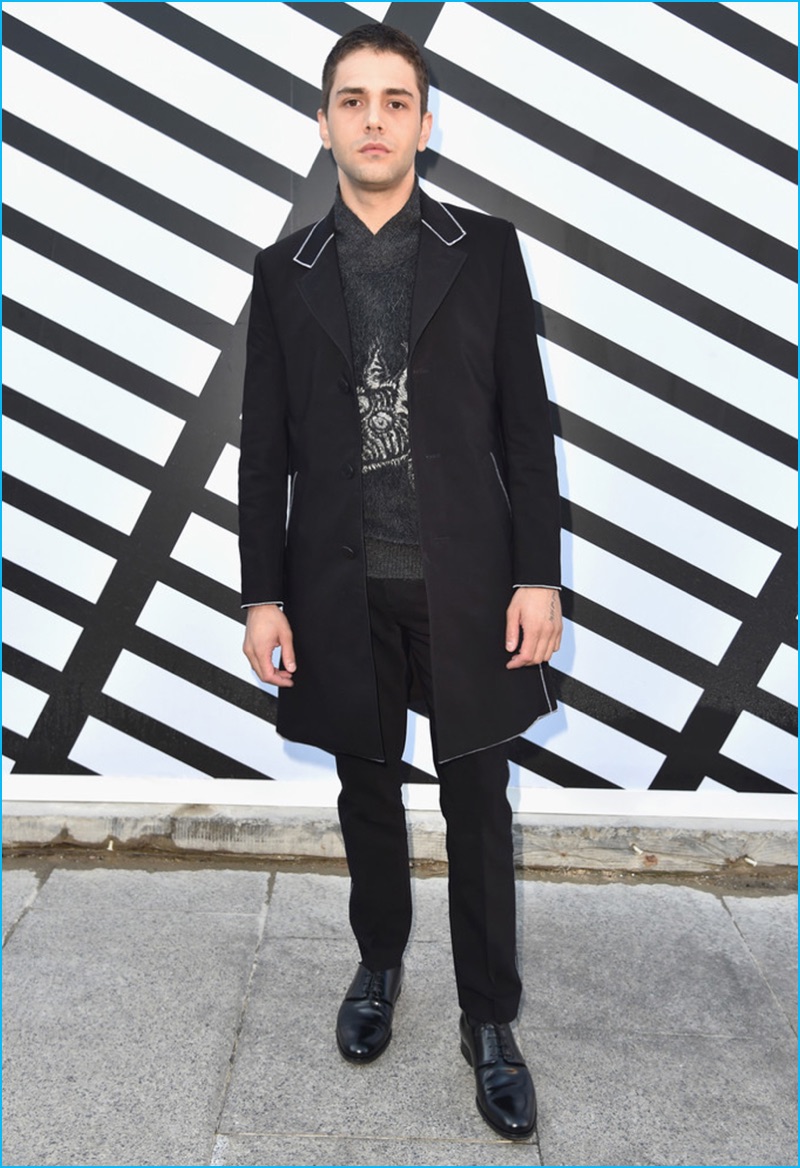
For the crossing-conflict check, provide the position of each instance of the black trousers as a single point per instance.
(477, 814)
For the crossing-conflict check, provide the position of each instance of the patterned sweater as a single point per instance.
(378, 282)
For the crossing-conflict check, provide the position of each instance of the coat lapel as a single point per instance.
(438, 265)
(321, 285)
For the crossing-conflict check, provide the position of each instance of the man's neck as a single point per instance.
(376, 208)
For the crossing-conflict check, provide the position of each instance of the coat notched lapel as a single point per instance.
(321, 285)
(438, 264)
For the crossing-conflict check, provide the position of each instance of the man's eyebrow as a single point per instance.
(359, 89)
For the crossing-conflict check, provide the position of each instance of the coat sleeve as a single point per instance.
(263, 460)
(527, 429)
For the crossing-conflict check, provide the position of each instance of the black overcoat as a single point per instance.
(484, 466)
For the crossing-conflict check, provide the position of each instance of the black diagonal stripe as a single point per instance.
(229, 55)
(218, 510)
(127, 192)
(614, 264)
(668, 387)
(95, 359)
(147, 108)
(47, 594)
(165, 738)
(615, 168)
(650, 87)
(412, 774)
(746, 36)
(623, 631)
(202, 588)
(415, 19)
(650, 558)
(734, 683)
(553, 767)
(612, 712)
(770, 708)
(15, 744)
(63, 517)
(181, 663)
(740, 778)
(82, 440)
(29, 669)
(115, 278)
(671, 479)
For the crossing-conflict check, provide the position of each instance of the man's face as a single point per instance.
(373, 124)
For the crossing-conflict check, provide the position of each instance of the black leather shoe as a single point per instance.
(364, 1025)
(505, 1095)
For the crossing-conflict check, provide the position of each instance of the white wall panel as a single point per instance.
(75, 480)
(88, 399)
(692, 59)
(223, 479)
(678, 438)
(209, 549)
(638, 131)
(54, 555)
(144, 154)
(624, 675)
(123, 237)
(764, 748)
(663, 520)
(22, 704)
(107, 751)
(216, 723)
(607, 212)
(37, 631)
(106, 319)
(174, 75)
(638, 596)
(276, 32)
(598, 748)
(780, 676)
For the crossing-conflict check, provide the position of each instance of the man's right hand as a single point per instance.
(266, 629)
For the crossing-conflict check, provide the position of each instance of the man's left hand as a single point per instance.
(536, 612)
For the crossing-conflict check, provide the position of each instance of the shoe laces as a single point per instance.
(376, 986)
(498, 1042)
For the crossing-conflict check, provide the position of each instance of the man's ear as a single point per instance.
(425, 130)
(323, 129)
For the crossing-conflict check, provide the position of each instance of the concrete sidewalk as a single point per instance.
(182, 1014)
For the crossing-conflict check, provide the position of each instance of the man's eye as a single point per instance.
(397, 104)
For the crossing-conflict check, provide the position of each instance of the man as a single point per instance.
(393, 379)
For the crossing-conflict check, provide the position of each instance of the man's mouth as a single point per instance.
(373, 148)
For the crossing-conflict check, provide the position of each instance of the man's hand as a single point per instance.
(537, 612)
(267, 628)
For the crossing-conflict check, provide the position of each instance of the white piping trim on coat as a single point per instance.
(446, 242)
(303, 263)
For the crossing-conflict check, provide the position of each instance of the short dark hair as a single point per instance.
(381, 38)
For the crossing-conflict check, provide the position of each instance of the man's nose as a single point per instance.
(374, 117)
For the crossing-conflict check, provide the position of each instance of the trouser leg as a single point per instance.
(371, 811)
(480, 852)
(481, 883)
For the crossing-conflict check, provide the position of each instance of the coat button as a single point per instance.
(348, 553)
(347, 471)
(344, 385)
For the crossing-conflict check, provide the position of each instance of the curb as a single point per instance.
(540, 841)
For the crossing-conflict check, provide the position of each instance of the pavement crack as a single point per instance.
(237, 1031)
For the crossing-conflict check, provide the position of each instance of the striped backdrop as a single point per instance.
(646, 153)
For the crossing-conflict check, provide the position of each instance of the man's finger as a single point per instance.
(512, 632)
